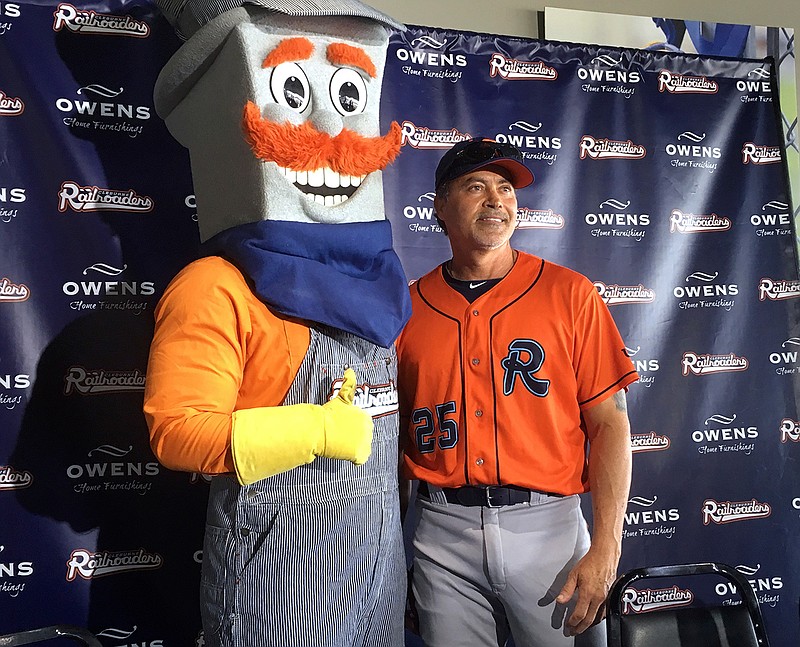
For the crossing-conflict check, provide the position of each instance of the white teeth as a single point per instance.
(316, 177)
(331, 178)
(323, 176)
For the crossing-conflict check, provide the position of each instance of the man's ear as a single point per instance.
(438, 204)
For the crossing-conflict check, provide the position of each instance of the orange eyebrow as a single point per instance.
(289, 49)
(344, 54)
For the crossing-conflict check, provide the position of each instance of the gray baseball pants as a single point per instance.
(484, 574)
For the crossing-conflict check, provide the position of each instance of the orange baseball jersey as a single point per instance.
(491, 392)
(216, 349)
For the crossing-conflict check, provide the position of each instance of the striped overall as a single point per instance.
(312, 557)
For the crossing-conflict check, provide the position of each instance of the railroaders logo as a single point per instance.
(759, 155)
(12, 479)
(512, 69)
(83, 21)
(790, 431)
(89, 565)
(777, 290)
(99, 381)
(685, 84)
(428, 138)
(92, 198)
(620, 294)
(708, 364)
(690, 223)
(10, 106)
(651, 442)
(377, 400)
(539, 219)
(602, 148)
(720, 512)
(635, 601)
(11, 292)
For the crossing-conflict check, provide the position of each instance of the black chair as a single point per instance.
(723, 625)
(77, 634)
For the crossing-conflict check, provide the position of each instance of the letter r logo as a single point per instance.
(525, 357)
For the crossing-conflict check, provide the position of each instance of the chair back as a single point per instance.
(723, 625)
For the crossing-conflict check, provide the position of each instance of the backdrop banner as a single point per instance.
(660, 176)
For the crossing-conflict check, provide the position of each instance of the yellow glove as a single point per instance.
(270, 440)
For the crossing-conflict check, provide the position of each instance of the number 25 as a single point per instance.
(427, 433)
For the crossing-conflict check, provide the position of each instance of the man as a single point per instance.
(509, 367)
(268, 351)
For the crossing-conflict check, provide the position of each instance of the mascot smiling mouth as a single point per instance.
(327, 169)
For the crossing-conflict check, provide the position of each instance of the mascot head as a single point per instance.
(278, 104)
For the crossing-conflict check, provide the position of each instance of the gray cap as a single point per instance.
(187, 16)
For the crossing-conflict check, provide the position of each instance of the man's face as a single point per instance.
(479, 210)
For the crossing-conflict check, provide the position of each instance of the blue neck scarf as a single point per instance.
(346, 275)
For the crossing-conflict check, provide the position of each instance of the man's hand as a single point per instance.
(590, 581)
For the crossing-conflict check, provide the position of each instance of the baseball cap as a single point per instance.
(471, 154)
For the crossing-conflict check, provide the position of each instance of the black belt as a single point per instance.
(490, 496)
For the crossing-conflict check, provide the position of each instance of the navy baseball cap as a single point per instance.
(471, 154)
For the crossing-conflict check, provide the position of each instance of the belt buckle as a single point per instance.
(488, 491)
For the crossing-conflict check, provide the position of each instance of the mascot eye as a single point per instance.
(348, 92)
(289, 86)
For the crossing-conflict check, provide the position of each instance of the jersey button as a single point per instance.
(475, 313)
(475, 361)
(479, 413)
(479, 461)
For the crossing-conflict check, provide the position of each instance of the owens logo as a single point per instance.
(92, 198)
(634, 601)
(377, 400)
(80, 21)
(599, 149)
(430, 59)
(608, 75)
(689, 223)
(428, 138)
(708, 364)
(10, 106)
(11, 479)
(95, 382)
(614, 295)
(512, 69)
(778, 290)
(11, 292)
(685, 84)
(539, 219)
(758, 155)
(774, 213)
(651, 442)
(89, 565)
(790, 431)
(525, 358)
(720, 512)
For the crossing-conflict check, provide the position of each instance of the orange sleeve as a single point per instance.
(216, 349)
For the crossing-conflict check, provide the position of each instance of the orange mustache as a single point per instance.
(304, 148)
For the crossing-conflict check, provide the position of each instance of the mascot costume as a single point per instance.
(272, 366)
